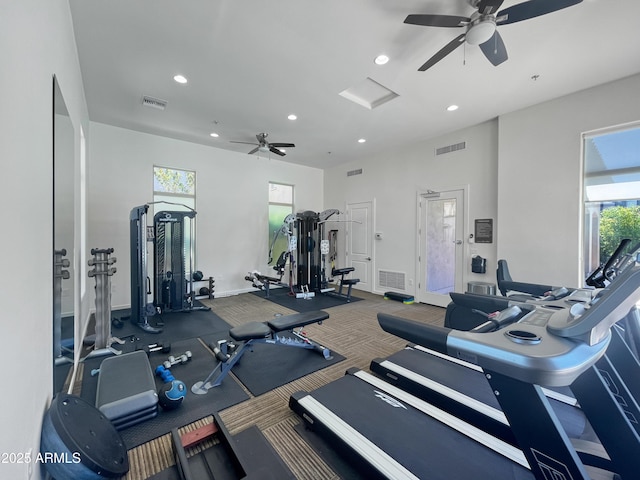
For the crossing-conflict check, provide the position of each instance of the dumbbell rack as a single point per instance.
(212, 283)
(102, 272)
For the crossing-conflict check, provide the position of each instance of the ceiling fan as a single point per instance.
(264, 146)
(481, 26)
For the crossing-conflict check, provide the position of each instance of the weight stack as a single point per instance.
(79, 442)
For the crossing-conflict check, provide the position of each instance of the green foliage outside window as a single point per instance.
(616, 224)
(277, 214)
(169, 180)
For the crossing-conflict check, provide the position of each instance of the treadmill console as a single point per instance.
(547, 347)
(551, 347)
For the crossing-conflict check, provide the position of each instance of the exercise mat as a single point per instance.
(194, 407)
(321, 301)
(177, 326)
(270, 366)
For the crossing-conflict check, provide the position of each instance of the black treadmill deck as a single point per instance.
(424, 446)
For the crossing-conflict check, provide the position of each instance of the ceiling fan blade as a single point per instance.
(489, 7)
(245, 143)
(276, 151)
(446, 50)
(532, 9)
(283, 145)
(494, 49)
(437, 20)
(253, 151)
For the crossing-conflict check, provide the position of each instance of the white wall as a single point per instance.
(393, 179)
(539, 179)
(36, 38)
(231, 201)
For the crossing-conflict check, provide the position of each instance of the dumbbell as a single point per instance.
(171, 361)
(155, 347)
(164, 373)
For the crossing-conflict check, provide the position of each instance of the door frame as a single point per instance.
(420, 261)
(371, 244)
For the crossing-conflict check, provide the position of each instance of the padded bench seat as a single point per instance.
(342, 271)
(250, 331)
(287, 322)
(256, 330)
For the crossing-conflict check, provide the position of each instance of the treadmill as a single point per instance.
(381, 426)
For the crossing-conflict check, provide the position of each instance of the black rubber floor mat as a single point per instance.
(194, 407)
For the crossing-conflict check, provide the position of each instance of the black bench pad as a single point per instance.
(268, 279)
(342, 271)
(249, 331)
(288, 322)
(350, 281)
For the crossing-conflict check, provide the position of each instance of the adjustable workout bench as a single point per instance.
(350, 282)
(262, 332)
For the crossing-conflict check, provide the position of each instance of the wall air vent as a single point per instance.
(451, 148)
(154, 102)
(391, 279)
(351, 173)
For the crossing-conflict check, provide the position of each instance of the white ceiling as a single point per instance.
(250, 63)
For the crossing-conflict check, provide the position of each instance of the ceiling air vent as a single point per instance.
(451, 148)
(351, 173)
(154, 102)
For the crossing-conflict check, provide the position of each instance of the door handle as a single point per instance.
(369, 258)
(457, 242)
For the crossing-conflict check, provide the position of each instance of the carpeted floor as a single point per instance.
(352, 330)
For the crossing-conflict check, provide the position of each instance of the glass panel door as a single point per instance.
(441, 246)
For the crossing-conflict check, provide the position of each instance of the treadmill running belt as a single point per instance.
(466, 381)
(425, 446)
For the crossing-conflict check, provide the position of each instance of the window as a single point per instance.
(611, 192)
(175, 187)
(280, 205)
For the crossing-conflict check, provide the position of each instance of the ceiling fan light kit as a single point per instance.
(481, 29)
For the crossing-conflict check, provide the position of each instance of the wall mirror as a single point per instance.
(63, 240)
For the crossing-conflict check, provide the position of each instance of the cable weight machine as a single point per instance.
(174, 270)
(312, 250)
(172, 236)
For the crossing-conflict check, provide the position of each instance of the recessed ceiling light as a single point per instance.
(214, 134)
(381, 60)
(452, 108)
(362, 140)
(180, 79)
(292, 117)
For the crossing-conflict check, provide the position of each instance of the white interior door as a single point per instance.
(359, 242)
(440, 259)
